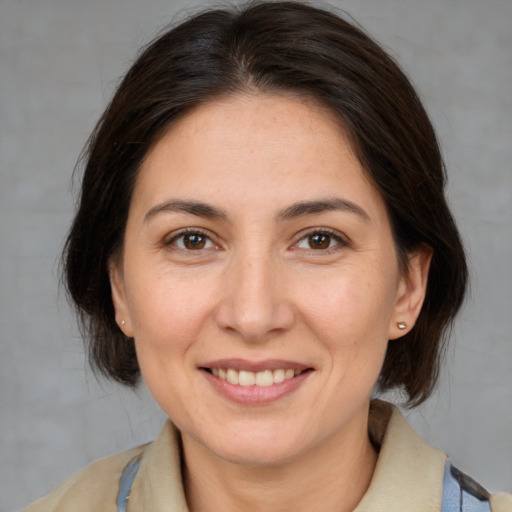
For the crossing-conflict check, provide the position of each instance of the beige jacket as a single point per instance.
(408, 476)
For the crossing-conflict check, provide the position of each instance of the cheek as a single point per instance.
(350, 316)
(168, 317)
(347, 303)
(169, 311)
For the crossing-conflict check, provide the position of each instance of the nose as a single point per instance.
(254, 303)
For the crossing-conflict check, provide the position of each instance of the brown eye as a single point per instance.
(319, 241)
(193, 241)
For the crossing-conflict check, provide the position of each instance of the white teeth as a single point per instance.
(246, 378)
(288, 374)
(264, 378)
(278, 376)
(232, 376)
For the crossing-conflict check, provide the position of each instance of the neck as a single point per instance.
(335, 474)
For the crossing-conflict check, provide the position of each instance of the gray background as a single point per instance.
(59, 62)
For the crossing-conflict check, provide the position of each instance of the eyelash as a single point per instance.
(183, 233)
(341, 242)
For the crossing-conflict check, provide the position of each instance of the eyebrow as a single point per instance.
(296, 210)
(304, 208)
(192, 207)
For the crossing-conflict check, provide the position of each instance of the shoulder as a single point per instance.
(150, 475)
(412, 475)
(501, 502)
(463, 494)
(93, 488)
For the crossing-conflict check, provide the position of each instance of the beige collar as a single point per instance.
(409, 472)
(408, 476)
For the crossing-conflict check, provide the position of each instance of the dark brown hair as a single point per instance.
(271, 47)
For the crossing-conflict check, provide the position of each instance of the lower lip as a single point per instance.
(253, 395)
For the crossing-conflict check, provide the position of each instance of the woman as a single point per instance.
(263, 235)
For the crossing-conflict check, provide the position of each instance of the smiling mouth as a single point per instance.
(263, 378)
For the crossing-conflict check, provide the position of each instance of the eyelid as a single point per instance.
(172, 237)
(342, 240)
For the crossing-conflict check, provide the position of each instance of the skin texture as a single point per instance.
(258, 288)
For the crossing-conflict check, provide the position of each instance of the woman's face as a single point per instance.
(260, 281)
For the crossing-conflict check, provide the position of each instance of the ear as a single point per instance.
(411, 291)
(121, 309)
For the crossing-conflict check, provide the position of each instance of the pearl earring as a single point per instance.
(401, 325)
(122, 322)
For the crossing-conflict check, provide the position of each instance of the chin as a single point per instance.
(258, 450)
(256, 457)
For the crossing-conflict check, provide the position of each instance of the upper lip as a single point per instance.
(255, 366)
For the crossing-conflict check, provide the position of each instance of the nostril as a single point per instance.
(255, 319)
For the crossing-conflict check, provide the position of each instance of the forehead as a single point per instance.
(254, 146)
